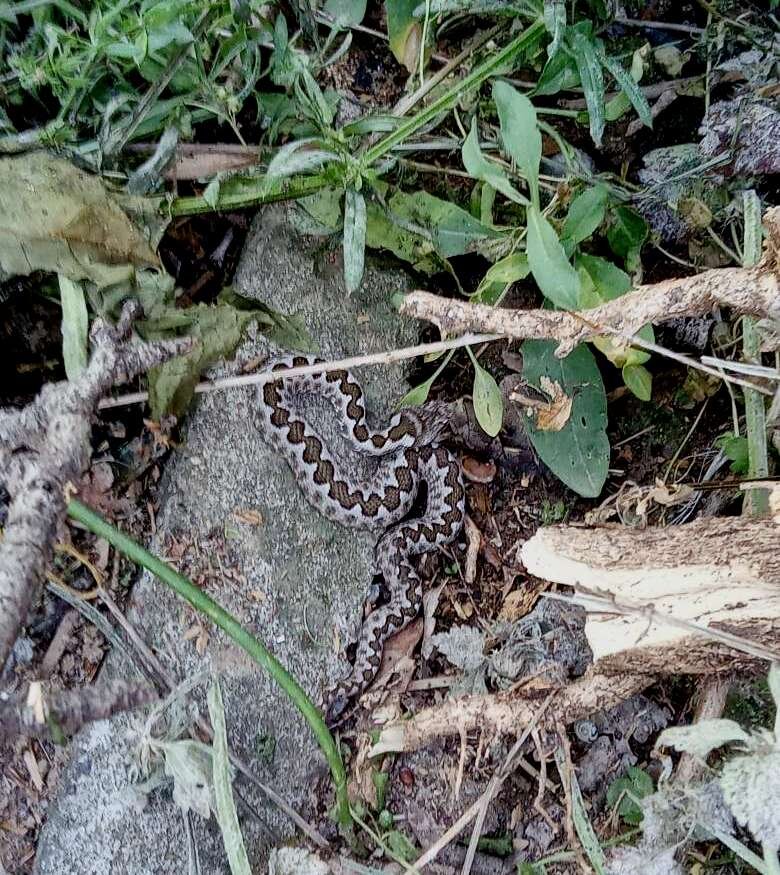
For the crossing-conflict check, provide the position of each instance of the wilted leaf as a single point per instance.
(217, 330)
(579, 453)
(225, 807)
(519, 132)
(404, 32)
(488, 403)
(462, 646)
(554, 415)
(556, 278)
(189, 764)
(703, 737)
(58, 218)
(354, 238)
(75, 327)
(292, 158)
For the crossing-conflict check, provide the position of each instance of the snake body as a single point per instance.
(368, 478)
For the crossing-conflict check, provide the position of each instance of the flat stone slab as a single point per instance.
(297, 582)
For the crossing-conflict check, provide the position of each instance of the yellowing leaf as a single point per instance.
(58, 218)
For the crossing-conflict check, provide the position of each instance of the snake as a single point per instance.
(365, 477)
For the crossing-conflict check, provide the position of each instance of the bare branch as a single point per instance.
(44, 715)
(45, 446)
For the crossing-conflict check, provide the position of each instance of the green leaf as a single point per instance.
(217, 330)
(419, 394)
(485, 170)
(75, 327)
(636, 783)
(354, 238)
(227, 816)
(605, 281)
(585, 215)
(292, 158)
(404, 32)
(400, 845)
(508, 270)
(627, 233)
(346, 13)
(582, 825)
(559, 74)
(735, 448)
(629, 87)
(578, 454)
(450, 229)
(592, 79)
(556, 278)
(520, 132)
(639, 380)
(488, 404)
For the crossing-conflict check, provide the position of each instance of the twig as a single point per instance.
(376, 358)
(661, 25)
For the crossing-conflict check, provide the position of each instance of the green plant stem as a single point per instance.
(756, 500)
(231, 627)
(525, 42)
(250, 195)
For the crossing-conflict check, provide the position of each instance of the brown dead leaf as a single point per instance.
(34, 772)
(520, 602)
(554, 415)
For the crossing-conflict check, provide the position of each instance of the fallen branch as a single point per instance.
(751, 291)
(506, 713)
(698, 598)
(44, 447)
(48, 715)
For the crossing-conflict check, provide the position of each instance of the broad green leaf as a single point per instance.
(345, 13)
(488, 403)
(639, 380)
(479, 167)
(578, 454)
(627, 233)
(400, 845)
(75, 327)
(606, 281)
(585, 215)
(57, 218)
(592, 79)
(354, 238)
(450, 229)
(702, 737)
(636, 784)
(735, 449)
(629, 87)
(404, 32)
(556, 278)
(419, 394)
(508, 270)
(211, 192)
(520, 132)
(555, 21)
(227, 816)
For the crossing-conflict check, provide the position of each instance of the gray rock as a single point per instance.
(305, 580)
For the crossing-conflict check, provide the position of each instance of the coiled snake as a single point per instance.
(368, 478)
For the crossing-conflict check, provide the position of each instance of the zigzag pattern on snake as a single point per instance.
(368, 478)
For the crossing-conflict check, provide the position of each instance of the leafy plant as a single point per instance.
(626, 793)
(750, 779)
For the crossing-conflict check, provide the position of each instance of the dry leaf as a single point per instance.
(554, 415)
(478, 472)
(518, 603)
(250, 517)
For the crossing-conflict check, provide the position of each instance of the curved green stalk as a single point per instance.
(206, 605)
